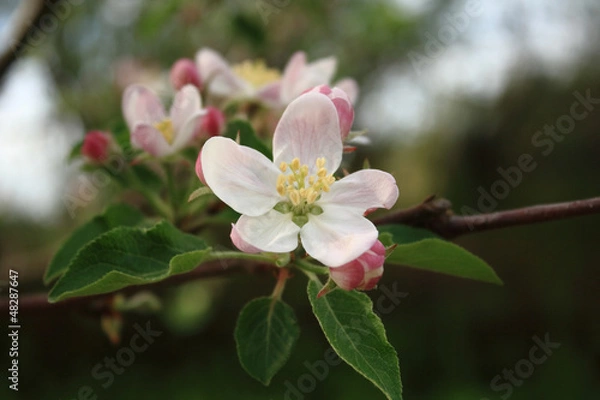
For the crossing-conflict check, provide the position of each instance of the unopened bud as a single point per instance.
(342, 104)
(213, 122)
(96, 146)
(362, 273)
(184, 72)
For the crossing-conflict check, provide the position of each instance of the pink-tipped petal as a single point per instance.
(309, 129)
(350, 87)
(363, 190)
(240, 243)
(217, 74)
(184, 72)
(273, 232)
(292, 73)
(364, 272)
(141, 106)
(240, 176)
(185, 115)
(342, 104)
(199, 171)
(270, 94)
(148, 138)
(337, 236)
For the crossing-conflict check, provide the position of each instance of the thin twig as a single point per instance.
(437, 216)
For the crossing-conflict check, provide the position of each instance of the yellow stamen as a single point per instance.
(166, 128)
(256, 73)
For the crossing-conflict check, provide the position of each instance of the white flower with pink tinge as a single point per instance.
(152, 129)
(296, 194)
(254, 80)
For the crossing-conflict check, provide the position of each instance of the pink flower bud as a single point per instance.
(96, 146)
(362, 273)
(342, 104)
(184, 72)
(213, 122)
(199, 168)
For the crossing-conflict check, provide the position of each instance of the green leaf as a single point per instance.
(418, 248)
(247, 136)
(75, 151)
(128, 256)
(358, 336)
(265, 335)
(114, 216)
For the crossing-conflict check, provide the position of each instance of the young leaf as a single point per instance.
(358, 336)
(265, 335)
(418, 248)
(247, 136)
(114, 216)
(128, 256)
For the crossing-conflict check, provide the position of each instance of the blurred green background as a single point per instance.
(448, 98)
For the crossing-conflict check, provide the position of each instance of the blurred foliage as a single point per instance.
(452, 336)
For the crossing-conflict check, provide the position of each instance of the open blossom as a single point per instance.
(255, 80)
(296, 194)
(152, 129)
(362, 273)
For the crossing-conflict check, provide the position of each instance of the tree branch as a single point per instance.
(28, 17)
(437, 216)
(433, 214)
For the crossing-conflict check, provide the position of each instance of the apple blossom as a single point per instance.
(184, 72)
(362, 273)
(296, 194)
(152, 129)
(254, 80)
(96, 145)
(246, 80)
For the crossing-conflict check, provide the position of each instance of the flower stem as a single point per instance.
(153, 199)
(283, 276)
(310, 267)
(238, 255)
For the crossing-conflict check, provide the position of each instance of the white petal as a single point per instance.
(240, 176)
(274, 232)
(240, 243)
(217, 74)
(362, 190)
(270, 94)
(337, 236)
(291, 74)
(317, 73)
(150, 139)
(309, 129)
(349, 86)
(185, 114)
(141, 106)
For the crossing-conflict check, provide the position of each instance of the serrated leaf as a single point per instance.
(421, 249)
(247, 136)
(358, 336)
(128, 256)
(114, 216)
(265, 334)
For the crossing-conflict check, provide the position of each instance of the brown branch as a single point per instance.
(29, 16)
(437, 216)
(433, 214)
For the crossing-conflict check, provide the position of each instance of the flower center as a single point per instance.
(301, 189)
(166, 128)
(256, 73)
